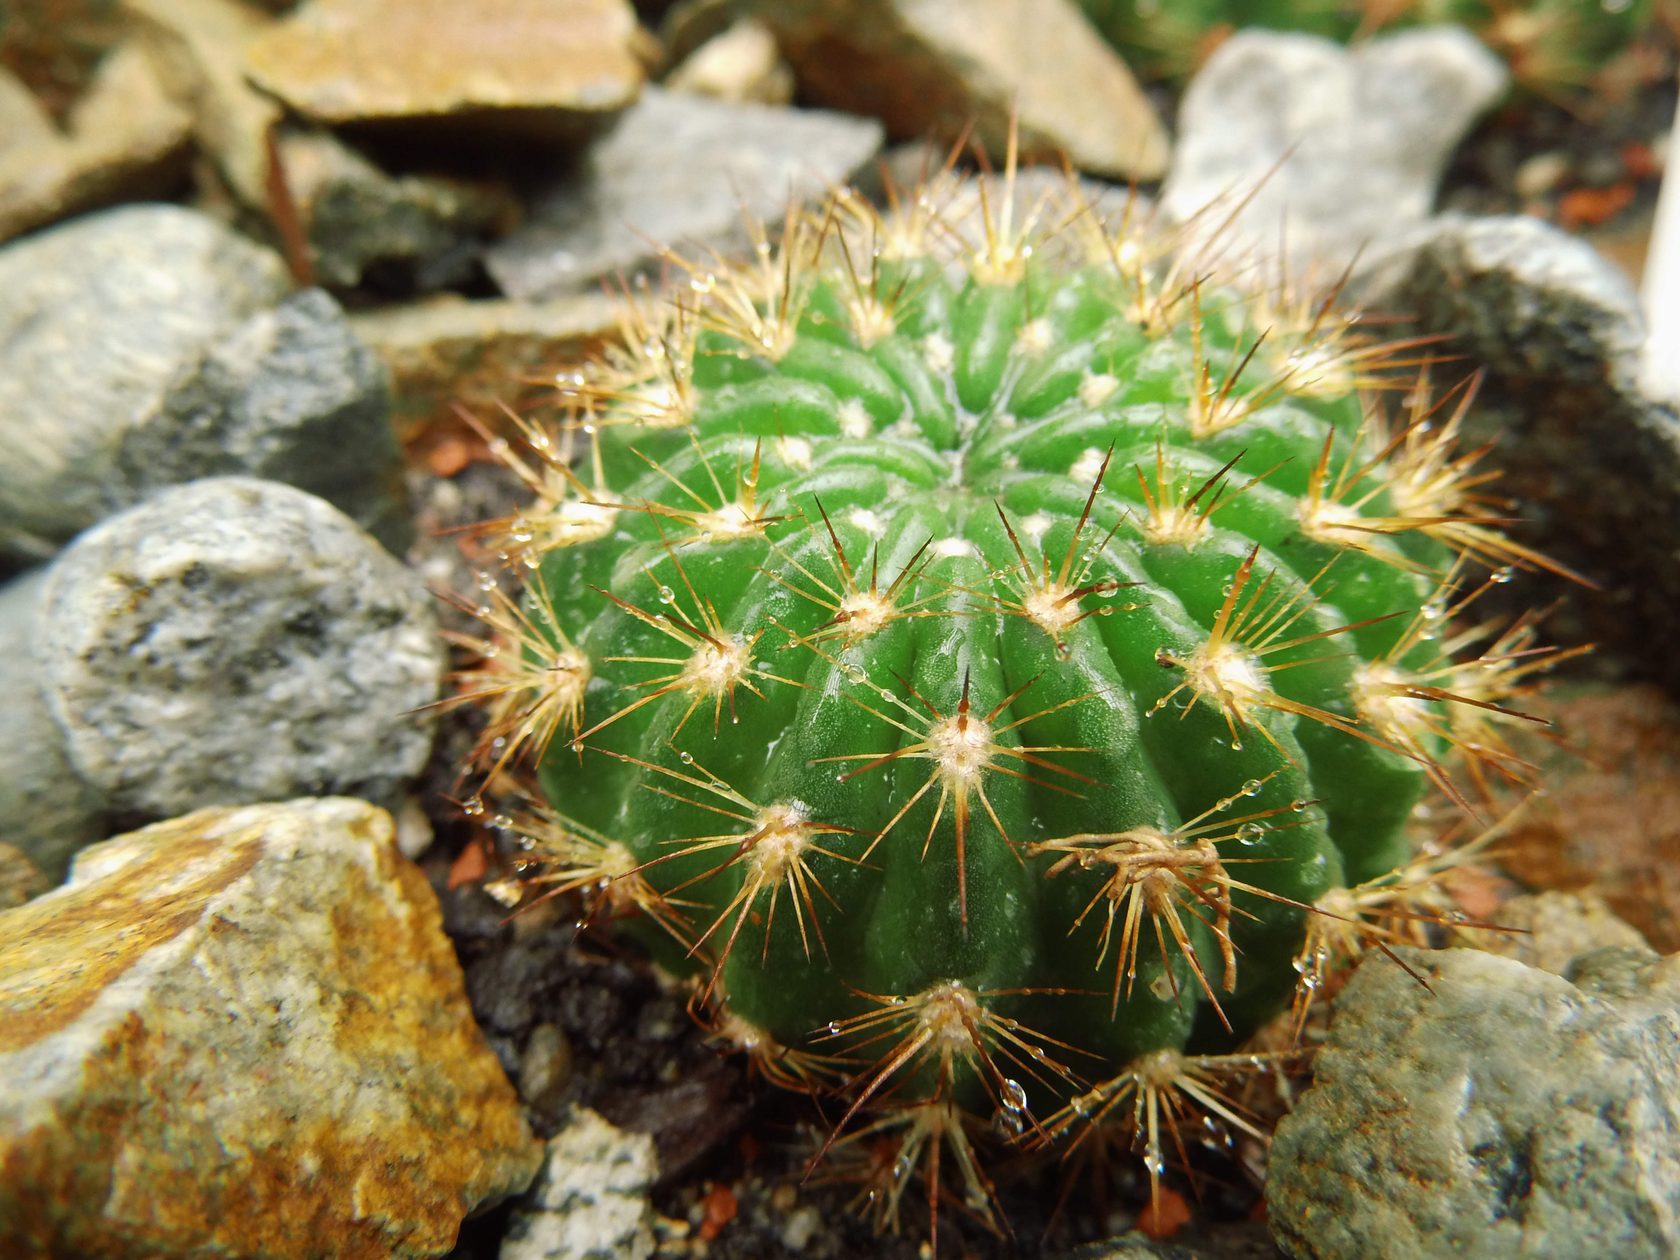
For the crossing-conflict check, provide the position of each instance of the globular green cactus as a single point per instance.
(997, 661)
(1553, 47)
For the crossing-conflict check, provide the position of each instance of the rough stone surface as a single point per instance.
(678, 171)
(363, 225)
(531, 67)
(196, 46)
(1200, 1241)
(242, 1033)
(942, 67)
(1332, 147)
(99, 316)
(1592, 460)
(233, 640)
(1609, 822)
(46, 810)
(126, 140)
(590, 1199)
(292, 395)
(1503, 1111)
(1550, 930)
(452, 350)
(23, 123)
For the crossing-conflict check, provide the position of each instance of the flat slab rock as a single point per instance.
(529, 65)
(243, 1033)
(1502, 1111)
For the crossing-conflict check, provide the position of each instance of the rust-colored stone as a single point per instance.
(243, 1033)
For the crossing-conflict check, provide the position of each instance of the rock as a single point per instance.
(363, 225)
(100, 315)
(1593, 461)
(590, 1199)
(23, 123)
(1327, 148)
(20, 879)
(127, 140)
(678, 171)
(527, 68)
(450, 350)
(1550, 930)
(545, 1069)
(243, 1033)
(739, 64)
(196, 46)
(944, 67)
(229, 640)
(1502, 1111)
(292, 395)
(48, 811)
(1610, 822)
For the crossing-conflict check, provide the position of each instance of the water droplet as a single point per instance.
(1012, 1095)
(687, 758)
(1299, 804)
(666, 595)
(901, 1167)
(1252, 787)
(1250, 832)
(1165, 658)
(1502, 576)
(472, 807)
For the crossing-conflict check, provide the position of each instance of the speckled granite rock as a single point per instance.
(242, 1033)
(100, 315)
(679, 172)
(233, 640)
(590, 1199)
(527, 67)
(941, 67)
(1503, 1111)
(290, 395)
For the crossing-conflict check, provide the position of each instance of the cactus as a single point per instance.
(1554, 47)
(997, 662)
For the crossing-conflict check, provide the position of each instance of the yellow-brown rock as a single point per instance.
(243, 1033)
(532, 67)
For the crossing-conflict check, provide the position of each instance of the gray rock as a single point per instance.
(1247, 1240)
(1332, 147)
(292, 395)
(234, 640)
(98, 318)
(1550, 930)
(23, 123)
(1503, 1111)
(47, 811)
(678, 171)
(20, 879)
(362, 224)
(590, 1200)
(1593, 461)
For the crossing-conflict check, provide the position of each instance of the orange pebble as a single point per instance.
(1165, 1215)
(719, 1208)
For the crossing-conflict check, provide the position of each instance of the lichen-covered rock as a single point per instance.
(99, 317)
(1501, 1111)
(1550, 930)
(590, 1198)
(242, 1033)
(230, 640)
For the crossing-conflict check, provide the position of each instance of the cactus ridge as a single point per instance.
(978, 648)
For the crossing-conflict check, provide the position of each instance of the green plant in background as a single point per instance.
(998, 662)
(1554, 47)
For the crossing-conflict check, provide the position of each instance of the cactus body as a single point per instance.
(976, 663)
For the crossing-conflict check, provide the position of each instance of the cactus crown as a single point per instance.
(997, 661)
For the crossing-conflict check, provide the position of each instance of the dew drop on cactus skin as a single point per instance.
(971, 645)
